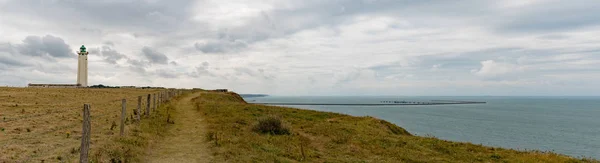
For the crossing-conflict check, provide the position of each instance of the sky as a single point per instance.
(310, 47)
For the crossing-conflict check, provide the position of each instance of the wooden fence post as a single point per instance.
(85, 134)
(154, 102)
(148, 106)
(139, 108)
(123, 115)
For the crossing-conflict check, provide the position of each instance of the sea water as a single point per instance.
(567, 125)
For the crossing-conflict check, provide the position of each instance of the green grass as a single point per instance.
(329, 137)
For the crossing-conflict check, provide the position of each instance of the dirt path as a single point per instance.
(185, 140)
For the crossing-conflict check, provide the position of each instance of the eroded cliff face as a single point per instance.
(237, 97)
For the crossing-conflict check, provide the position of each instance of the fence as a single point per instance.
(163, 97)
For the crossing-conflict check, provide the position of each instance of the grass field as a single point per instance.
(330, 137)
(45, 123)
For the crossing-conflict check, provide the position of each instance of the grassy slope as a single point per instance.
(331, 137)
(45, 123)
(133, 146)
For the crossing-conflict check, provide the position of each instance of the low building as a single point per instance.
(54, 85)
(220, 90)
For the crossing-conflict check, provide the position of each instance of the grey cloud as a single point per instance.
(138, 66)
(90, 31)
(154, 56)
(12, 62)
(345, 77)
(169, 24)
(239, 71)
(553, 16)
(139, 70)
(312, 14)
(47, 46)
(220, 46)
(7, 48)
(554, 37)
(55, 68)
(167, 74)
(450, 66)
(109, 43)
(159, 15)
(110, 55)
(137, 63)
(243, 70)
(203, 70)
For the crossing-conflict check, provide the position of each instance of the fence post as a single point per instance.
(139, 108)
(148, 106)
(154, 102)
(123, 115)
(85, 134)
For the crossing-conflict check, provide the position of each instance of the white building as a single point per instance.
(82, 67)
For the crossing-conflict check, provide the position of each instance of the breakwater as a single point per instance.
(384, 103)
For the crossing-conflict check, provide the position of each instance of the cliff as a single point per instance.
(241, 132)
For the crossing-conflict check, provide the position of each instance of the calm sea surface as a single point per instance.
(567, 125)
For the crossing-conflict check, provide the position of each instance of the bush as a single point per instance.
(271, 125)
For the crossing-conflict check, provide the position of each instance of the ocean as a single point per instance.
(567, 125)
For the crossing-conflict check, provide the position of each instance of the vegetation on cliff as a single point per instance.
(239, 132)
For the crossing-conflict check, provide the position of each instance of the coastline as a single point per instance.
(338, 137)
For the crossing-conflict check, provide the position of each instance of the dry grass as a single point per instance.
(330, 137)
(132, 147)
(45, 123)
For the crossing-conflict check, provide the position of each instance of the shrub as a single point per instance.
(271, 125)
(496, 156)
(210, 136)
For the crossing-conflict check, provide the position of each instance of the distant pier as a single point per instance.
(386, 103)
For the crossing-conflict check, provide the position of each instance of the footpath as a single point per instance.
(185, 140)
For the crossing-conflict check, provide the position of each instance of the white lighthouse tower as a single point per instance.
(82, 67)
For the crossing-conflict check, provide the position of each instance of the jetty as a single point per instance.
(384, 103)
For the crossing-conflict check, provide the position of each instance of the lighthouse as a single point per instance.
(82, 67)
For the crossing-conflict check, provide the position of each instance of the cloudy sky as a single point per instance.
(309, 47)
